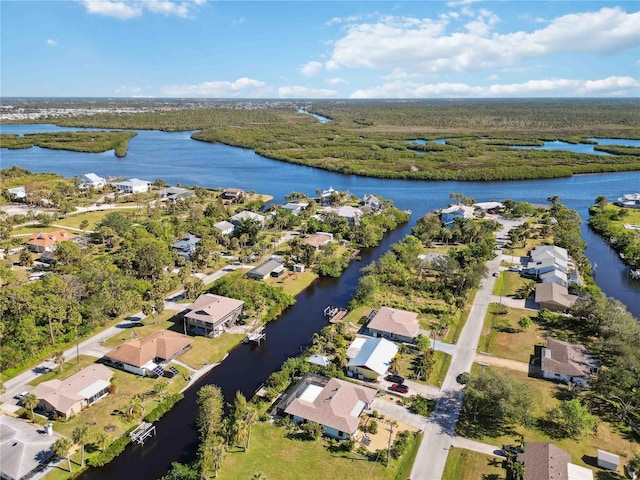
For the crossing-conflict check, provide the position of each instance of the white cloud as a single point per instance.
(310, 69)
(305, 92)
(335, 81)
(238, 21)
(240, 88)
(606, 87)
(128, 91)
(124, 10)
(115, 9)
(426, 46)
(52, 42)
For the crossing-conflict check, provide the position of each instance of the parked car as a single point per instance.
(21, 395)
(394, 379)
(496, 274)
(463, 378)
(399, 387)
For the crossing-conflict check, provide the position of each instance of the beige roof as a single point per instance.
(338, 405)
(567, 359)
(63, 394)
(554, 293)
(162, 344)
(393, 320)
(212, 308)
(544, 461)
(317, 239)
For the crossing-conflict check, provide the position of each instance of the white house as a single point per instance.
(17, 193)
(568, 362)
(371, 357)
(295, 208)
(186, 246)
(225, 228)
(135, 185)
(91, 180)
(247, 215)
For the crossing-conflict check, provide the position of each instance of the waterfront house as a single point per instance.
(351, 214)
(629, 200)
(247, 215)
(17, 193)
(544, 252)
(568, 362)
(91, 180)
(225, 228)
(295, 208)
(372, 202)
(545, 461)
(265, 269)
(175, 194)
(70, 396)
(135, 185)
(448, 215)
(146, 356)
(41, 242)
(370, 358)
(318, 239)
(393, 324)
(210, 314)
(320, 360)
(327, 195)
(555, 276)
(233, 194)
(334, 404)
(186, 246)
(489, 206)
(554, 297)
(25, 448)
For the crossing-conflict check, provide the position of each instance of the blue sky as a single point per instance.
(324, 49)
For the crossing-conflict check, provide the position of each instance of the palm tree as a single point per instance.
(62, 448)
(101, 440)
(394, 366)
(218, 451)
(58, 357)
(30, 402)
(136, 409)
(250, 419)
(80, 435)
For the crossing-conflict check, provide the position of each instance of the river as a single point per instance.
(176, 158)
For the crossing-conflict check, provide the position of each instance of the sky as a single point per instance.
(319, 49)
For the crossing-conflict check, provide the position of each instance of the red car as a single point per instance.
(400, 388)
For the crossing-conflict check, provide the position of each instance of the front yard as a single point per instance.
(504, 338)
(468, 465)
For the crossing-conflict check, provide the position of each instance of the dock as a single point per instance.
(634, 274)
(257, 336)
(142, 432)
(335, 314)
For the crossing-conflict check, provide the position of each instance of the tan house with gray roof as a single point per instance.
(210, 314)
(393, 324)
(568, 362)
(68, 397)
(554, 296)
(334, 404)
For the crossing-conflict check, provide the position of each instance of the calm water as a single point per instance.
(178, 159)
(569, 147)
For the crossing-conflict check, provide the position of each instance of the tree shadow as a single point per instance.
(591, 461)
(550, 428)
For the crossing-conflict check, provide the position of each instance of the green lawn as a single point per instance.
(94, 218)
(508, 284)
(206, 350)
(544, 395)
(70, 367)
(357, 316)
(467, 465)
(293, 283)
(149, 325)
(276, 457)
(438, 372)
(503, 337)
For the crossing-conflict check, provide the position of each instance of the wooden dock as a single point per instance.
(335, 314)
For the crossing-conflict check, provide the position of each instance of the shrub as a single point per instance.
(111, 452)
(163, 407)
(373, 427)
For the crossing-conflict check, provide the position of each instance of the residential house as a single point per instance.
(320, 360)
(44, 241)
(372, 202)
(553, 296)
(448, 215)
(233, 194)
(247, 215)
(175, 194)
(186, 246)
(393, 324)
(70, 396)
(210, 314)
(488, 206)
(430, 257)
(568, 362)
(318, 239)
(370, 357)
(351, 214)
(327, 195)
(17, 193)
(295, 208)
(25, 448)
(91, 180)
(135, 185)
(546, 265)
(270, 267)
(225, 228)
(542, 252)
(545, 461)
(146, 356)
(555, 276)
(334, 404)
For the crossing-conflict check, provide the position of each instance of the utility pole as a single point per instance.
(77, 348)
(391, 425)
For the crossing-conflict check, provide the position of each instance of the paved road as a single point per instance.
(439, 432)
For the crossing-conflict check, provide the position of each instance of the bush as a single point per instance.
(373, 427)
(400, 444)
(111, 452)
(163, 407)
